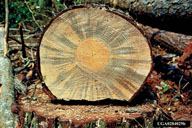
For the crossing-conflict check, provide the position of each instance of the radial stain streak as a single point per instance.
(61, 77)
(116, 91)
(51, 48)
(123, 50)
(67, 42)
(126, 85)
(86, 88)
(56, 61)
(60, 46)
(89, 31)
(76, 27)
(63, 67)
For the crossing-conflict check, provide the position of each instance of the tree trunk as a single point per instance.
(155, 8)
(7, 118)
(174, 42)
(7, 97)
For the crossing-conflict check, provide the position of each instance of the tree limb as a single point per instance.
(32, 13)
(29, 47)
(7, 97)
(5, 51)
(7, 118)
(22, 41)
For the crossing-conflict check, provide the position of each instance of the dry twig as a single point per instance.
(6, 28)
(22, 41)
(33, 16)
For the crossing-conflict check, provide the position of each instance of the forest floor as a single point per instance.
(166, 89)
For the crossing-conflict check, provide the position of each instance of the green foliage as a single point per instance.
(31, 12)
(59, 4)
(27, 119)
(2, 11)
(91, 125)
(94, 124)
(77, 2)
(165, 86)
(18, 12)
(44, 77)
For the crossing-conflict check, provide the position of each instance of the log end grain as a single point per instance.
(92, 54)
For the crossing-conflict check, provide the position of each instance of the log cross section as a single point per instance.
(92, 54)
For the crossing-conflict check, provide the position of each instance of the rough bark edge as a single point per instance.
(175, 42)
(151, 8)
(134, 113)
(46, 90)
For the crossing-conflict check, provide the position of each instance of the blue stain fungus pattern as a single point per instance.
(93, 55)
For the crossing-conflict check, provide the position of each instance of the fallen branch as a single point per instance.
(19, 69)
(174, 41)
(18, 42)
(7, 98)
(22, 41)
(34, 19)
(6, 33)
(16, 29)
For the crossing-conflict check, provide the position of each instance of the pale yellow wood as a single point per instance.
(92, 51)
(91, 54)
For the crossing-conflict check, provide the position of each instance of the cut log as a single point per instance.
(174, 42)
(92, 54)
(154, 8)
(7, 97)
(75, 116)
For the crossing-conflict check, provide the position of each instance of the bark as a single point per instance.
(32, 116)
(5, 37)
(156, 8)
(22, 41)
(7, 97)
(174, 42)
(37, 105)
(7, 118)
